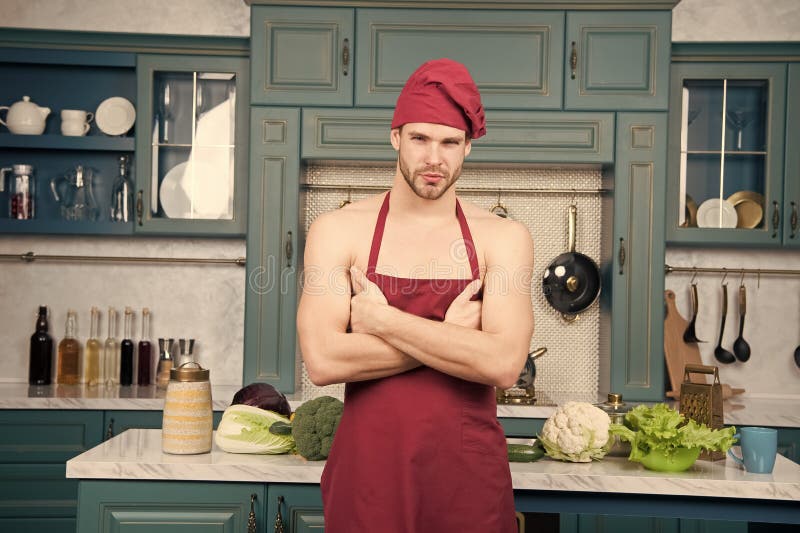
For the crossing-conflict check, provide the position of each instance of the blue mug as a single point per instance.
(759, 448)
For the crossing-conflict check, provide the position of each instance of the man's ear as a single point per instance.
(467, 146)
(394, 136)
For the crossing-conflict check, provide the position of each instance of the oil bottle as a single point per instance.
(69, 353)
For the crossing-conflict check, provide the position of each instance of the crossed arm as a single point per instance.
(485, 342)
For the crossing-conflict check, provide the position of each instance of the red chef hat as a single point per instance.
(441, 91)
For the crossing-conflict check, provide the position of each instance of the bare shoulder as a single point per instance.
(494, 232)
(340, 232)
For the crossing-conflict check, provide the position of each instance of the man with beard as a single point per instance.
(421, 304)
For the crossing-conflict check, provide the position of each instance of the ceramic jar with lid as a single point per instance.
(187, 422)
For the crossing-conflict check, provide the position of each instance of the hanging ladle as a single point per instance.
(689, 335)
(740, 347)
(721, 354)
(499, 209)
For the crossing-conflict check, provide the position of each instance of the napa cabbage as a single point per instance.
(246, 429)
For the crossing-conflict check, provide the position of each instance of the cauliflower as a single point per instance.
(577, 432)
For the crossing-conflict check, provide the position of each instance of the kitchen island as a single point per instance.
(718, 490)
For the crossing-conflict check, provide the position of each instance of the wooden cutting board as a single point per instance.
(679, 353)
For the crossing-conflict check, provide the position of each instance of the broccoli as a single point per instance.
(314, 425)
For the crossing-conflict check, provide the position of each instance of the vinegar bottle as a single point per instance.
(126, 351)
(41, 355)
(69, 353)
(93, 349)
(111, 351)
(145, 350)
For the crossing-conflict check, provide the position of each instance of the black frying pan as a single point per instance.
(571, 282)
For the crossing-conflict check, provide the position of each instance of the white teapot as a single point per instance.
(25, 117)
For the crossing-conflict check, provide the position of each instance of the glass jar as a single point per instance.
(187, 423)
(616, 410)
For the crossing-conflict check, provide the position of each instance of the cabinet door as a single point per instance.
(514, 56)
(726, 153)
(299, 507)
(791, 185)
(191, 149)
(636, 275)
(625, 524)
(39, 436)
(115, 422)
(617, 60)
(272, 247)
(169, 507)
(302, 55)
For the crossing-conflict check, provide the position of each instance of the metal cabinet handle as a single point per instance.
(251, 518)
(776, 219)
(110, 429)
(279, 517)
(793, 220)
(345, 55)
(288, 249)
(621, 255)
(573, 60)
(139, 206)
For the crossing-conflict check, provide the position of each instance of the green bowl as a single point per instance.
(680, 460)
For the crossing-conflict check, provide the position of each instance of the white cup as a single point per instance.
(75, 122)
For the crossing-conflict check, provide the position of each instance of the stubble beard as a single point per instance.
(421, 188)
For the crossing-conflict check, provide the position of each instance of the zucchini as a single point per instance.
(524, 453)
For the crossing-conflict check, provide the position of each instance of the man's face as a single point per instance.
(430, 156)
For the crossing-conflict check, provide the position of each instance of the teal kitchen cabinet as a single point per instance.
(512, 136)
(34, 447)
(297, 507)
(191, 119)
(791, 183)
(272, 247)
(115, 422)
(637, 353)
(302, 55)
(392, 43)
(617, 60)
(62, 79)
(169, 507)
(733, 162)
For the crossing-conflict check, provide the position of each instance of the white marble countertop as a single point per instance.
(740, 410)
(136, 454)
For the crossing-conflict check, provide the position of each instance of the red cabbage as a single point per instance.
(264, 396)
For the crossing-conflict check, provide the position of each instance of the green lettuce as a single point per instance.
(663, 429)
(246, 429)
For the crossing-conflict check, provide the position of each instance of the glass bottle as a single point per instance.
(93, 349)
(122, 194)
(111, 351)
(41, 355)
(69, 353)
(164, 363)
(126, 351)
(145, 351)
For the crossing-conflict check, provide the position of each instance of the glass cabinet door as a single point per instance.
(728, 134)
(194, 184)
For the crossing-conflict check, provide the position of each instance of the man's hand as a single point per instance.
(365, 304)
(464, 312)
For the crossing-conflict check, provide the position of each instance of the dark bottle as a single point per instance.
(126, 351)
(145, 351)
(41, 361)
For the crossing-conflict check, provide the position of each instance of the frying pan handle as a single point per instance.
(573, 218)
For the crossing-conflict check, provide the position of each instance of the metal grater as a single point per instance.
(702, 402)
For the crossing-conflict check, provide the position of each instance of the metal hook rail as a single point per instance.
(668, 269)
(493, 190)
(30, 257)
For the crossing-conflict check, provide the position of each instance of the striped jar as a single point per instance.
(187, 422)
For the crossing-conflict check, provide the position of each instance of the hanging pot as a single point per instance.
(571, 283)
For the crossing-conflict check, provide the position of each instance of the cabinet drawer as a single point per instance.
(511, 136)
(515, 57)
(37, 525)
(33, 436)
(30, 490)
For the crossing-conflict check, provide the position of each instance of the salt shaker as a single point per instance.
(187, 422)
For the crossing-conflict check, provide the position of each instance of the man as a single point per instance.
(391, 307)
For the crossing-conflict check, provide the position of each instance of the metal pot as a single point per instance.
(616, 410)
(571, 283)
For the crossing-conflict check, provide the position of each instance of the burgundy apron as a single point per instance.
(420, 451)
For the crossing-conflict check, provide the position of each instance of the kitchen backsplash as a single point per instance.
(204, 302)
(772, 319)
(572, 363)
